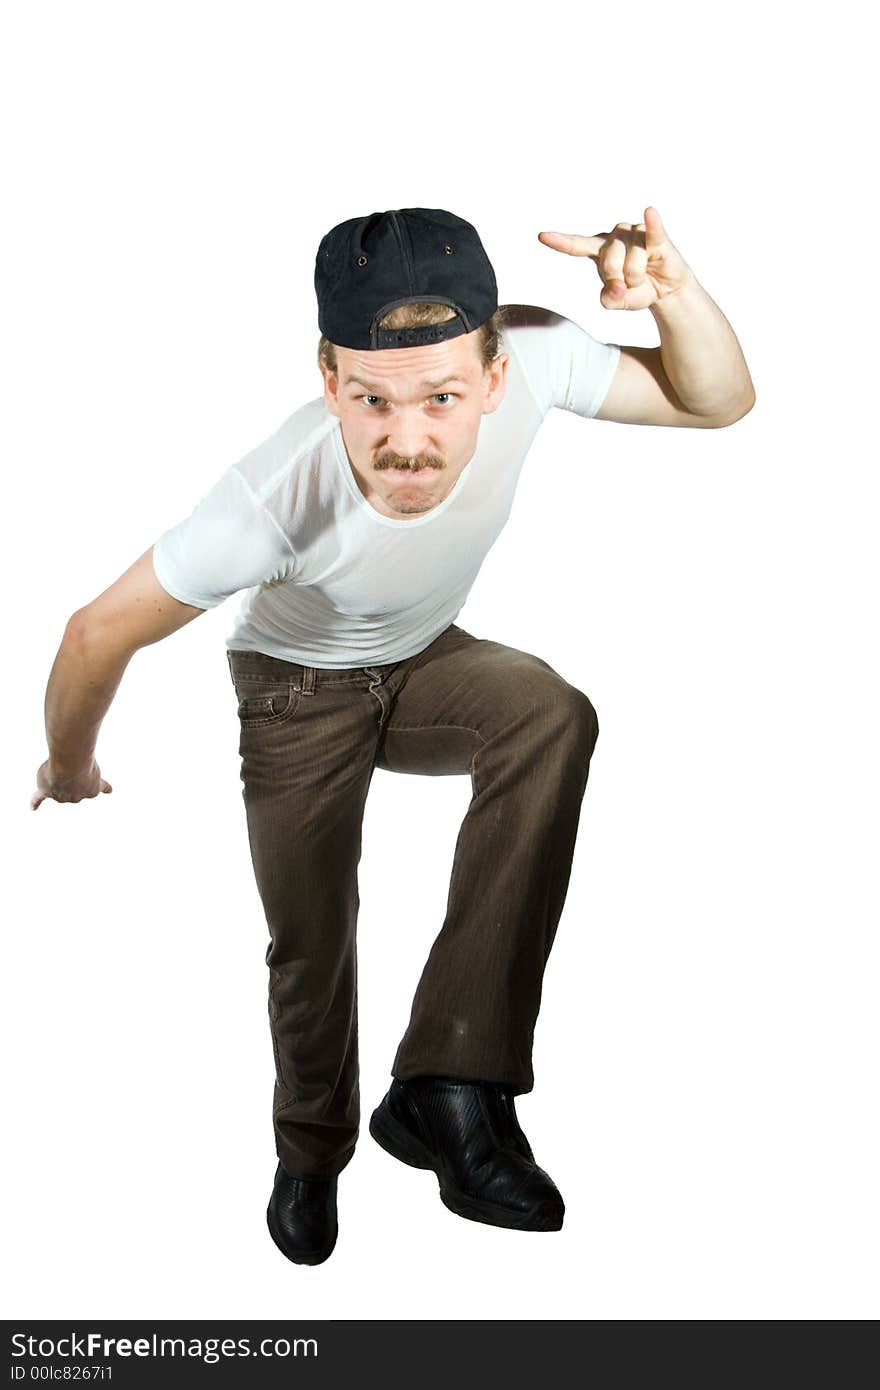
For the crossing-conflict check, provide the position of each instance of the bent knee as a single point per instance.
(583, 714)
(572, 713)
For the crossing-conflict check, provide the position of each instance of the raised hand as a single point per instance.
(637, 262)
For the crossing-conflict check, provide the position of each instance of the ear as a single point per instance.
(495, 383)
(331, 388)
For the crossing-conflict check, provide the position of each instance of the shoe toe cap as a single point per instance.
(522, 1188)
(302, 1218)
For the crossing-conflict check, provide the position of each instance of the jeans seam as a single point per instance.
(273, 1016)
(434, 728)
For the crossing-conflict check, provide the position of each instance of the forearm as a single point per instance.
(701, 355)
(83, 680)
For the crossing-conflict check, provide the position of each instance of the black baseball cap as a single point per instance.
(367, 266)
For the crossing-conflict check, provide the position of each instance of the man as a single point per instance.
(357, 530)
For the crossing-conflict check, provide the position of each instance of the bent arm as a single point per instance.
(99, 641)
(701, 355)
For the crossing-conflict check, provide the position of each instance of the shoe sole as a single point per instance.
(304, 1257)
(397, 1141)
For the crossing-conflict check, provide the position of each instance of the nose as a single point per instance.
(407, 437)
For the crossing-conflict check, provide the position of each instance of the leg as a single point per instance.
(308, 743)
(526, 737)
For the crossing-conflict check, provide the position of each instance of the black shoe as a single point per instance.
(468, 1133)
(302, 1217)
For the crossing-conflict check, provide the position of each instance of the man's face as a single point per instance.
(410, 417)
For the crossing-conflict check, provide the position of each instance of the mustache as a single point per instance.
(409, 465)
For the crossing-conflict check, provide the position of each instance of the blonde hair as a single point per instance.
(428, 312)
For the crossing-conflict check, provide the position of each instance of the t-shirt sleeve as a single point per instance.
(564, 365)
(227, 543)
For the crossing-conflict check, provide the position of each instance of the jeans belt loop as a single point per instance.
(308, 680)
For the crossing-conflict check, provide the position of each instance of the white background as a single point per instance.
(705, 1091)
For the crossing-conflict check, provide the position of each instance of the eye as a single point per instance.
(451, 395)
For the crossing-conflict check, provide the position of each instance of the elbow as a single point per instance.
(74, 629)
(743, 410)
(79, 629)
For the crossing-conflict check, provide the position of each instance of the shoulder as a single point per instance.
(534, 327)
(522, 319)
(564, 364)
(301, 435)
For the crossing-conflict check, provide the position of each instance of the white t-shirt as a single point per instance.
(330, 581)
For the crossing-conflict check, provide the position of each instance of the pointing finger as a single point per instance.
(573, 244)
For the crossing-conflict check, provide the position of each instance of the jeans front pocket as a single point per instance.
(264, 701)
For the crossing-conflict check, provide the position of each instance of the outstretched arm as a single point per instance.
(99, 641)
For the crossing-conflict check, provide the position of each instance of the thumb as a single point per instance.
(105, 786)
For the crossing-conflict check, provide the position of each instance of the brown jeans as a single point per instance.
(310, 739)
